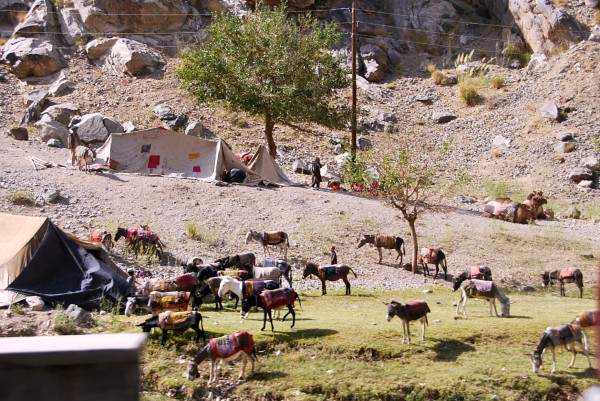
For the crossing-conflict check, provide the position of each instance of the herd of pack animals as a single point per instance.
(260, 284)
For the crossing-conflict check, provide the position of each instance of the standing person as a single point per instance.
(333, 256)
(316, 173)
(131, 282)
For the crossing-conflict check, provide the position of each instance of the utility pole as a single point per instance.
(353, 141)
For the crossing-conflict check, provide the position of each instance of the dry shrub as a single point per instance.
(468, 92)
(497, 81)
(21, 197)
(439, 78)
(431, 68)
(597, 17)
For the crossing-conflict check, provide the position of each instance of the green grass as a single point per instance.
(197, 231)
(343, 349)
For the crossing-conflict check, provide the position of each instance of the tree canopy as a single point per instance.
(266, 64)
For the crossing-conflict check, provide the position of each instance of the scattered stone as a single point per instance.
(465, 199)
(36, 95)
(337, 149)
(427, 291)
(526, 288)
(129, 126)
(171, 119)
(564, 136)
(63, 113)
(61, 87)
(35, 303)
(19, 133)
(442, 117)
(550, 110)
(580, 174)
(572, 213)
(300, 167)
(590, 162)
(363, 143)
(80, 315)
(585, 184)
(341, 158)
(564, 147)
(54, 143)
(423, 98)
(499, 140)
(49, 194)
(587, 255)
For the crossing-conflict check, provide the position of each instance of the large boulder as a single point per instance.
(375, 61)
(36, 57)
(124, 56)
(96, 128)
(63, 113)
(71, 25)
(129, 16)
(38, 20)
(579, 174)
(53, 130)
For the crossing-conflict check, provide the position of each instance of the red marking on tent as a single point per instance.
(153, 161)
(193, 156)
(196, 169)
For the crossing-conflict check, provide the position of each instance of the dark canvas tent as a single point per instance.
(160, 151)
(38, 258)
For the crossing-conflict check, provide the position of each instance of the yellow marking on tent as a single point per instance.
(193, 156)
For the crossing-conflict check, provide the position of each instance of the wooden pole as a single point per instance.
(353, 141)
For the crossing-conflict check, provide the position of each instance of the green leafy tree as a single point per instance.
(267, 65)
(406, 182)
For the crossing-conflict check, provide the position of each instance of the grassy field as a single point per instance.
(342, 348)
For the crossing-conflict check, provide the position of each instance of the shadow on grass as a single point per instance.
(299, 334)
(450, 350)
(269, 375)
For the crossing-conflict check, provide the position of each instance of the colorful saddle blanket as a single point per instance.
(564, 334)
(169, 300)
(588, 318)
(98, 234)
(277, 298)
(271, 262)
(170, 320)
(186, 281)
(417, 309)
(482, 285)
(328, 271)
(241, 274)
(228, 345)
(429, 255)
(254, 288)
(476, 271)
(147, 235)
(567, 272)
(504, 210)
(274, 238)
(164, 286)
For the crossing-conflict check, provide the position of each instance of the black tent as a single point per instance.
(57, 269)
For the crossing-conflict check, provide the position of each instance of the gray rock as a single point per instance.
(113, 126)
(91, 128)
(394, 56)
(54, 143)
(465, 199)
(71, 25)
(32, 113)
(499, 140)
(19, 133)
(564, 147)
(423, 98)
(572, 213)
(585, 184)
(61, 87)
(171, 119)
(337, 149)
(515, 63)
(592, 3)
(595, 34)
(36, 95)
(36, 56)
(48, 194)
(124, 56)
(564, 136)
(442, 117)
(375, 62)
(38, 20)
(35, 303)
(580, 173)
(62, 113)
(129, 126)
(195, 128)
(590, 162)
(363, 143)
(526, 288)
(550, 110)
(53, 130)
(80, 315)
(341, 158)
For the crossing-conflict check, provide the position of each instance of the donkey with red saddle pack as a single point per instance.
(484, 290)
(477, 272)
(560, 335)
(329, 273)
(273, 299)
(225, 348)
(176, 321)
(565, 275)
(416, 310)
(586, 320)
(433, 256)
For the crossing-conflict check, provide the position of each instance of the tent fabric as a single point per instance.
(52, 266)
(264, 165)
(164, 152)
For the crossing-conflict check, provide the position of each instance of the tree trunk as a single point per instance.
(413, 234)
(269, 124)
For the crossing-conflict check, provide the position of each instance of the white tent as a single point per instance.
(159, 151)
(264, 165)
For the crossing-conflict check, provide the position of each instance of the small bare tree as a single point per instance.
(405, 180)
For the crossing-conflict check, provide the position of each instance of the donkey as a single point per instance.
(158, 302)
(245, 288)
(480, 272)
(565, 275)
(484, 290)
(384, 241)
(245, 260)
(563, 334)
(509, 210)
(131, 238)
(585, 320)
(273, 299)
(226, 348)
(185, 282)
(81, 155)
(329, 273)
(276, 238)
(281, 264)
(435, 256)
(212, 287)
(101, 236)
(176, 321)
(270, 273)
(416, 310)
(538, 211)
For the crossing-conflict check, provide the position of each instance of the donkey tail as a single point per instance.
(426, 321)
(355, 276)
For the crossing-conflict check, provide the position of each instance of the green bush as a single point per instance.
(21, 197)
(496, 189)
(64, 324)
(439, 78)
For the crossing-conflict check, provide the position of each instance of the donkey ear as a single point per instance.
(385, 303)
